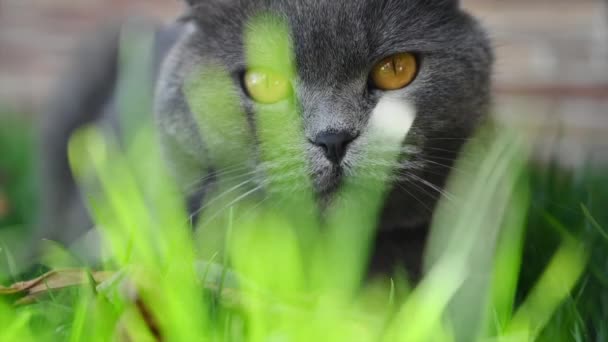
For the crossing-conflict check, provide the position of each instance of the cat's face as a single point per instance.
(336, 47)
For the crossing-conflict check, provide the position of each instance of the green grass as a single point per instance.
(18, 186)
(17, 170)
(520, 255)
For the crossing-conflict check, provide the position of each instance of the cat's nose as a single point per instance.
(334, 144)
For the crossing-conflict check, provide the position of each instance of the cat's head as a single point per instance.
(415, 73)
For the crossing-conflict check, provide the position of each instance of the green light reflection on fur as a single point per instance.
(268, 45)
(279, 127)
(214, 102)
(229, 143)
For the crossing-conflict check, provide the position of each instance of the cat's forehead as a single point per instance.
(329, 15)
(347, 37)
(343, 36)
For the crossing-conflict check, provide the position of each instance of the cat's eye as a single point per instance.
(266, 87)
(394, 72)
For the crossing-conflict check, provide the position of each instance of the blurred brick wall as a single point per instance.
(552, 71)
(539, 42)
(547, 41)
(552, 55)
(36, 37)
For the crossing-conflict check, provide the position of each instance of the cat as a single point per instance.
(434, 97)
(336, 46)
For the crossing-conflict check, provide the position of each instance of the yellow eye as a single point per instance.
(394, 72)
(266, 87)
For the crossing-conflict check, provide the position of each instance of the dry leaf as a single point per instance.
(54, 280)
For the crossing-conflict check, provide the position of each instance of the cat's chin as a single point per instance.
(327, 181)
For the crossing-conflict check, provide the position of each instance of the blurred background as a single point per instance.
(551, 75)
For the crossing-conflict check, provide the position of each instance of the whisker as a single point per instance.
(448, 139)
(232, 203)
(434, 187)
(217, 198)
(415, 197)
(449, 167)
(221, 173)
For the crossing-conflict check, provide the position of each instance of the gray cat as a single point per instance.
(415, 70)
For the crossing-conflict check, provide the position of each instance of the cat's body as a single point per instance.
(88, 93)
(336, 44)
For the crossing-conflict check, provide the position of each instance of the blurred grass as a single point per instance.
(559, 212)
(570, 204)
(18, 200)
(18, 189)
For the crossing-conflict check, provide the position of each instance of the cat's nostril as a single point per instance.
(334, 144)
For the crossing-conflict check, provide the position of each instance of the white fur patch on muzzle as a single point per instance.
(392, 120)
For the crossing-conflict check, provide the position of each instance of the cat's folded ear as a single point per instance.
(200, 2)
(192, 3)
(443, 3)
(210, 4)
(452, 3)
(198, 9)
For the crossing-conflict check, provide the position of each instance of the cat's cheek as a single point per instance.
(391, 120)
